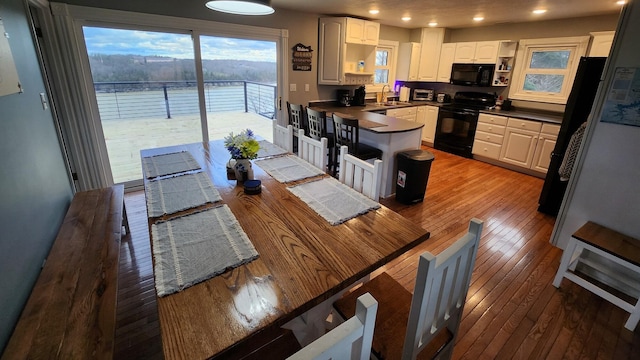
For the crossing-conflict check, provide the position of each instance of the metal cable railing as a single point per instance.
(128, 99)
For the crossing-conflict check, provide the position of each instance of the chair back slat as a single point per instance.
(316, 121)
(349, 340)
(296, 116)
(360, 175)
(283, 136)
(313, 151)
(346, 132)
(440, 292)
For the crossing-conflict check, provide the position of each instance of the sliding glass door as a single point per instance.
(150, 92)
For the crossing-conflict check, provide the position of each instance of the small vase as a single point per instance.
(243, 170)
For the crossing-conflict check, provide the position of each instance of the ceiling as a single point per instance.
(452, 13)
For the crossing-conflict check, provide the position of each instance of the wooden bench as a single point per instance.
(611, 245)
(71, 312)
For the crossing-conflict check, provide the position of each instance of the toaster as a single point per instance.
(423, 94)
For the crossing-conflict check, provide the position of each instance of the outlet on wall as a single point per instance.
(292, 87)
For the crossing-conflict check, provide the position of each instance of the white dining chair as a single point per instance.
(359, 174)
(313, 151)
(433, 317)
(283, 136)
(349, 340)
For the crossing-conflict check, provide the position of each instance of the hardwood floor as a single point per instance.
(512, 310)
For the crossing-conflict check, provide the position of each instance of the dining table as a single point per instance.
(302, 260)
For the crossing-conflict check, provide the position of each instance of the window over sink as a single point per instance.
(545, 68)
(385, 66)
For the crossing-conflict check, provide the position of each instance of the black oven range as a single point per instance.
(457, 121)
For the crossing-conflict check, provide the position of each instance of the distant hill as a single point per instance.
(108, 68)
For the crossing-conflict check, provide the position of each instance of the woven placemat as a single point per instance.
(168, 164)
(170, 195)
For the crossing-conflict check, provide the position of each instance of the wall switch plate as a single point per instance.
(306, 87)
(292, 87)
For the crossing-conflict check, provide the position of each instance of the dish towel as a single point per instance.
(333, 200)
(571, 153)
(168, 164)
(170, 195)
(288, 168)
(193, 248)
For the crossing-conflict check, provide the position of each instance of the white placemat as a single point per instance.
(269, 149)
(193, 248)
(333, 200)
(168, 164)
(170, 195)
(288, 168)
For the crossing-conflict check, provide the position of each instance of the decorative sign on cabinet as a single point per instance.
(343, 43)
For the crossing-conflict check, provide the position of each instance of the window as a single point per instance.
(384, 73)
(545, 69)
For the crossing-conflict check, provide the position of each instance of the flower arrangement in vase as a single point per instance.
(243, 147)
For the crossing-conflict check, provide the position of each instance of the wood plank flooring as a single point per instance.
(512, 310)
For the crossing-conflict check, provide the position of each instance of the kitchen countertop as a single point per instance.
(389, 124)
(550, 117)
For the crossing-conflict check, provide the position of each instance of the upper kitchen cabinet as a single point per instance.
(482, 52)
(601, 43)
(431, 40)
(341, 54)
(362, 32)
(447, 55)
(408, 61)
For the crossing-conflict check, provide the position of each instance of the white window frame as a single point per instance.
(576, 45)
(392, 47)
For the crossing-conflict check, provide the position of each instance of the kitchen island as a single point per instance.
(387, 133)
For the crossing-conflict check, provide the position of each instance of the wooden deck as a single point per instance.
(512, 310)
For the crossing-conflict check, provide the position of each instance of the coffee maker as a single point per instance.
(343, 97)
(358, 96)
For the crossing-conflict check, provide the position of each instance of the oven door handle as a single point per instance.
(460, 112)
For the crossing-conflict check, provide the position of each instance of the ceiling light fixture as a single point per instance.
(621, 2)
(374, 11)
(433, 23)
(242, 7)
(539, 11)
(478, 18)
(406, 18)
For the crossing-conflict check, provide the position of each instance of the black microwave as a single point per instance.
(472, 74)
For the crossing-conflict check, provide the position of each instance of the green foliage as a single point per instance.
(109, 68)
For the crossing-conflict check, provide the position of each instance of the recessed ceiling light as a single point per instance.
(374, 11)
(433, 23)
(621, 2)
(539, 11)
(478, 18)
(406, 18)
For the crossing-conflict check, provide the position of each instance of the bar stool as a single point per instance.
(347, 133)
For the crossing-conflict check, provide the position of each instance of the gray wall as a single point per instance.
(606, 189)
(34, 186)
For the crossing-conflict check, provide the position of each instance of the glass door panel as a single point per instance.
(145, 86)
(240, 85)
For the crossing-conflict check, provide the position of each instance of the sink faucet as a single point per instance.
(384, 93)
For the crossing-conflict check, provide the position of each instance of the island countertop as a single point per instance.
(388, 124)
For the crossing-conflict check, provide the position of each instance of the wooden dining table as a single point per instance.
(303, 261)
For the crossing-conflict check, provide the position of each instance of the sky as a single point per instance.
(147, 43)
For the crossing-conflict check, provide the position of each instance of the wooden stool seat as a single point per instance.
(613, 246)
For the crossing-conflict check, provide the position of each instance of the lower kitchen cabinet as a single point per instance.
(525, 144)
(428, 116)
(405, 113)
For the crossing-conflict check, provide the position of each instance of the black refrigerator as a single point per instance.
(576, 112)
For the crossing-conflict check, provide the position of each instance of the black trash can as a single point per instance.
(413, 174)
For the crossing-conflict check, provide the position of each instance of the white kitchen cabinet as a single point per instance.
(601, 43)
(338, 59)
(362, 32)
(431, 40)
(428, 116)
(481, 52)
(408, 61)
(447, 55)
(518, 147)
(489, 136)
(405, 113)
(544, 148)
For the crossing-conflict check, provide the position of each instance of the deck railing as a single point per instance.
(129, 99)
